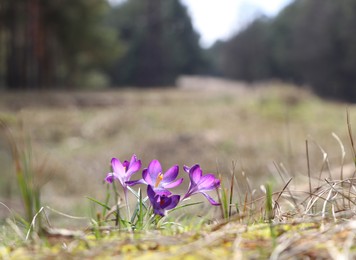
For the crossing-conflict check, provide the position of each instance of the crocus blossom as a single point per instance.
(160, 182)
(161, 203)
(200, 183)
(123, 171)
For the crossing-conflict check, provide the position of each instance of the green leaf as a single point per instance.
(186, 205)
(99, 203)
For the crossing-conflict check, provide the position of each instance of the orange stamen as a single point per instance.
(159, 179)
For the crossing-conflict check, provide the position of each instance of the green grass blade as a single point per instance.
(140, 215)
(270, 212)
(137, 195)
(231, 193)
(225, 203)
(107, 198)
(98, 202)
(186, 205)
(269, 203)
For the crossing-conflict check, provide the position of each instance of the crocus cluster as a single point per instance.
(159, 183)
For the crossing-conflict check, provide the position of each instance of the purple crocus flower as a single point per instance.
(161, 203)
(200, 183)
(153, 176)
(123, 171)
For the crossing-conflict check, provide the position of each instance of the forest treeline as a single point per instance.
(89, 43)
(310, 42)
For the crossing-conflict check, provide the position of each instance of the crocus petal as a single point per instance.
(171, 174)
(134, 167)
(164, 202)
(117, 167)
(161, 204)
(162, 191)
(174, 202)
(210, 199)
(147, 177)
(133, 159)
(154, 169)
(132, 183)
(195, 174)
(126, 164)
(150, 193)
(159, 211)
(208, 182)
(186, 168)
(217, 183)
(173, 184)
(109, 177)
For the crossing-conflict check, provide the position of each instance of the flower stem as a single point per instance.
(127, 204)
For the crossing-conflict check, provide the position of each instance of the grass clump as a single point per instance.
(281, 219)
(250, 225)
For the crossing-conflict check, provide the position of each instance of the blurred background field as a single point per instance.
(72, 136)
(87, 80)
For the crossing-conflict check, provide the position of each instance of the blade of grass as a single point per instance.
(286, 184)
(137, 207)
(64, 214)
(343, 195)
(343, 153)
(245, 205)
(33, 222)
(225, 203)
(140, 214)
(284, 188)
(16, 228)
(220, 197)
(237, 208)
(350, 135)
(341, 163)
(308, 166)
(99, 203)
(231, 188)
(270, 212)
(30, 194)
(325, 161)
(107, 198)
(186, 205)
(352, 146)
(269, 203)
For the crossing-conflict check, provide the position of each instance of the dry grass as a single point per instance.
(73, 135)
(271, 134)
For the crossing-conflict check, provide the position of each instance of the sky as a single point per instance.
(220, 19)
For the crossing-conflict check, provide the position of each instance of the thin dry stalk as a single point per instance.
(33, 223)
(313, 199)
(350, 135)
(308, 165)
(15, 227)
(326, 201)
(342, 194)
(245, 205)
(284, 188)
(342, 159)
(352, 143)
(285, 183)
(343, 153)
(325, 162)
